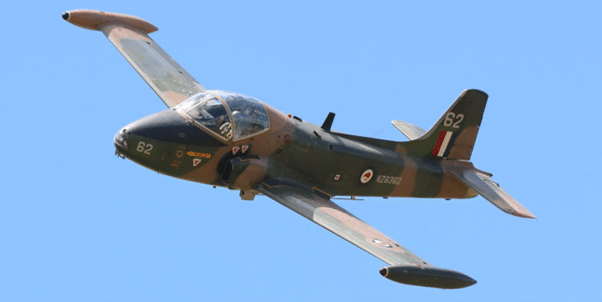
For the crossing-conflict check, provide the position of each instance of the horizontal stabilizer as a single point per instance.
(427, 276)
(490, 190)
(410, 131)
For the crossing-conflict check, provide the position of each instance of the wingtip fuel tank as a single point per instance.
(427, 276)
(93, 19)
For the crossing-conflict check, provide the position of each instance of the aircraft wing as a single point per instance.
(492, 191)
(129, 34)
(406, 267)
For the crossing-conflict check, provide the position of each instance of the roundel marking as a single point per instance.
(367, 176)
(382, 243)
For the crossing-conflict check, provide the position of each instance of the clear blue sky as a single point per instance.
(79, 224)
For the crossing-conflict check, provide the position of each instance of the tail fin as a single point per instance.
(455, 133)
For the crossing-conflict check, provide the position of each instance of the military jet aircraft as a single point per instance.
(235, 141)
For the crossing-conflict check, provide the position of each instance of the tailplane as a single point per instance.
(410, 131)
(491, 191)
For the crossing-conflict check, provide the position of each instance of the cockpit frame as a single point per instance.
(228, 127)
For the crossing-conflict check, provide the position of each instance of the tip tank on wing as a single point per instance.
(428, 276)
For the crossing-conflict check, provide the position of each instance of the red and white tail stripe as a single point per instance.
(442, 143)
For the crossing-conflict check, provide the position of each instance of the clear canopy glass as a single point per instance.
(229, 115)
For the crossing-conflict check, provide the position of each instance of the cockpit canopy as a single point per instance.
(229, 116)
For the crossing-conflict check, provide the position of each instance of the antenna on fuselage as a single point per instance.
(328, 121)
(376, 133)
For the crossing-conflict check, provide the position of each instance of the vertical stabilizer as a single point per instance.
(455, 133)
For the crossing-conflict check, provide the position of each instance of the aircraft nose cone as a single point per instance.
(120, 140)
(142, 139)
(65, 16)
(149, 140)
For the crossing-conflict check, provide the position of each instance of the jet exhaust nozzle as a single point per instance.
(428, 276)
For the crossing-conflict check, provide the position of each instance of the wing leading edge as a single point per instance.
(406, 267)
(129, 35)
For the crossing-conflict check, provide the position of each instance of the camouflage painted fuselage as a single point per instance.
(331, 163)
(233, 141)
